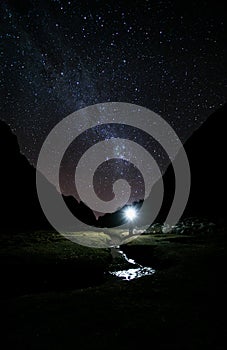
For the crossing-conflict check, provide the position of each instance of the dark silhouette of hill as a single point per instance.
(80, 210)
(20, 208)
(206, 154)
(206, 150)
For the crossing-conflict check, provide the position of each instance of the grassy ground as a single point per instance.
(56, 295)
(41, 261)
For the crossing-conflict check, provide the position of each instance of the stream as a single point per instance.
(125, 268)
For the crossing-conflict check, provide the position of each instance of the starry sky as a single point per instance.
(60, 56)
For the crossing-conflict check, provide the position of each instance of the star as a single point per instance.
(61, 56)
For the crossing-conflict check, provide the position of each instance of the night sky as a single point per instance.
(60, 56)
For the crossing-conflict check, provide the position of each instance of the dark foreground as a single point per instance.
(57, 295)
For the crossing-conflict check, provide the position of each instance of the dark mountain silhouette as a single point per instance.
(206, 154)
(80, 210)
(20, 208)
(206, 150)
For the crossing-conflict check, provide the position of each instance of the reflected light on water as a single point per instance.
(131, 274)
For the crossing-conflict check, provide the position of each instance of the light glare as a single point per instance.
(130, 213)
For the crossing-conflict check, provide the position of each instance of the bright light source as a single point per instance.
(130, 213)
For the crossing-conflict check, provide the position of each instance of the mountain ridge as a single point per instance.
(205, 150)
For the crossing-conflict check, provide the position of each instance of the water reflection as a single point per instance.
(131, 274)
(128, 273)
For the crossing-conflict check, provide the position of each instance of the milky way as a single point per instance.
(60, 56)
